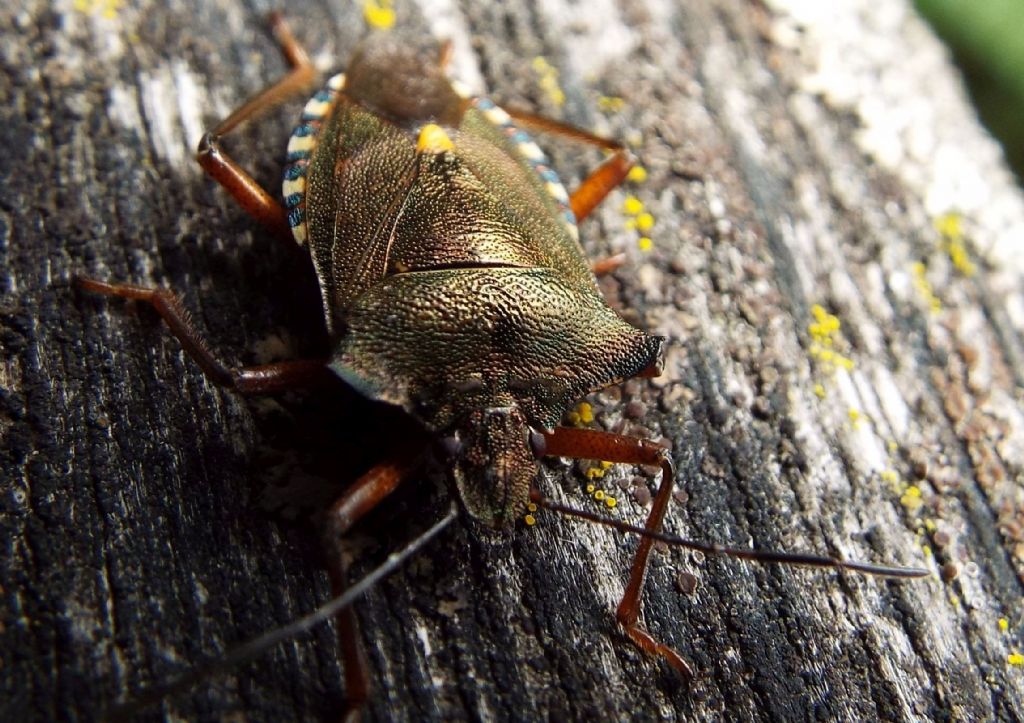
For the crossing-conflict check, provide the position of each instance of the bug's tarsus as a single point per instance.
(293, 51)
(263, 379)
(252, 197)
(252, 649)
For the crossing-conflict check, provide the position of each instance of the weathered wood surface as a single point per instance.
(793, 161)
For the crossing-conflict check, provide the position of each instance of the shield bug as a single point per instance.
(454, 288)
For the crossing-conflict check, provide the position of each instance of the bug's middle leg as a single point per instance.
(603, 179)
(264, 379)
(595, 444)
(252, 197)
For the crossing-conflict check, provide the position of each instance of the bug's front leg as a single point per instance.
(595, 444)
(364, 494)
(263, 379)
(252, 197)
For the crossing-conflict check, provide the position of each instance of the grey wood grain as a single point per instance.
(150, 520)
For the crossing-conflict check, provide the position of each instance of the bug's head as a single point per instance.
(494, 463)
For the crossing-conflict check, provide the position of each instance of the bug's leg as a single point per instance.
(605, 266)
(364, 494)
(252, 197)
(595, 444)
(603, 179)
(445, 54)
(264, 379)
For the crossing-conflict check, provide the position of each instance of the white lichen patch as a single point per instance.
(891, 401)
(123, 107)
(174, 130)
(868, 451)
(160, 111)
(190, 101)
(599, 35)
(930, 140)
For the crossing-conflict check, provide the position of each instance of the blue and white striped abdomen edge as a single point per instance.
(534, 156)
(300, 150)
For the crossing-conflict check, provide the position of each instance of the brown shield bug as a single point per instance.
(454, 288)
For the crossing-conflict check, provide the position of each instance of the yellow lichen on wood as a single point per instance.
(825, 336)
(379, 14)
(548, 80)
(632, 205)
(637, 174)
(950, 229)
(106, 8)
(924, 287)
(911, 498)
(610, 104)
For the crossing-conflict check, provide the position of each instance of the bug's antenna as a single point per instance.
(253, 648)
(787, 558)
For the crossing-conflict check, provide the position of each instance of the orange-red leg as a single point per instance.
(543, 124)
(445, 54)
(605, 266)
(595, 444)
(364, 494)
(603, 179)
(252, 197)
(264, 379)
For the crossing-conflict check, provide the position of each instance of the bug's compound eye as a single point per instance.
(451, 447)
(538, 443)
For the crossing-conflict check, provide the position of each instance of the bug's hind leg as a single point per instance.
(362, 496)
(264, 379)
(595, 444)
(603, 179)
(252, 197)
